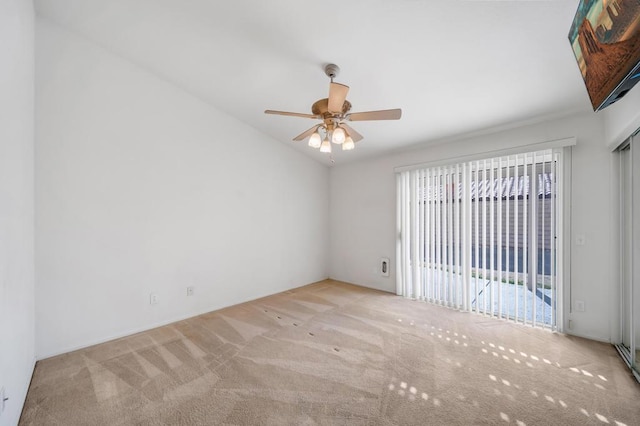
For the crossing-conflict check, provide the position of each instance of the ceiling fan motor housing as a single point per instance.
(321, 107)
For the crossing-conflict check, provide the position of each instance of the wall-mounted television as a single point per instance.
(605, 36)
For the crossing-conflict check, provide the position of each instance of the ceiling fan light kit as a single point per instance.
(334, 111)
(348, 144)
(315, 140)
(338, 135)
(326, 145)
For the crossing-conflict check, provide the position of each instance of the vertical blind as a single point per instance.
(481, 236)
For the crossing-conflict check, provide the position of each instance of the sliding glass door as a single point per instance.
(626, 246)
(514, 220)
(483, 236)
(629, 166)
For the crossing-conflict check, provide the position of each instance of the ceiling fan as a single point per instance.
(334, 112)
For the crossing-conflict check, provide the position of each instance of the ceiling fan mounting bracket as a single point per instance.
(332, 71)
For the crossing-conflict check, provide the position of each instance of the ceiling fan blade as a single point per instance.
(306, 133)
(387, 114)
(337, 96)
(292, 114)
(351, 132)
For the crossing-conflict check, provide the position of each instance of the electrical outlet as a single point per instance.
(384, 266)
(190, 290)
(153, 298)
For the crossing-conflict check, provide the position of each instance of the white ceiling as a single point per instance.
(453, 67)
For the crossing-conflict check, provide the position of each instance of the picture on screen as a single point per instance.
(605, 36)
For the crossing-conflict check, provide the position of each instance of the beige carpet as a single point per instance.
(332, 353)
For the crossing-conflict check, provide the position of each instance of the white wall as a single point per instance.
(622, 118)
(363, 212)
(142, 188)
(16, 204)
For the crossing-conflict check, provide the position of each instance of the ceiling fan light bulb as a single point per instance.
(326, 146)
(338, 135)
(348, 144)
(315, 140)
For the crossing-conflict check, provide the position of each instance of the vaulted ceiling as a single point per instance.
(454, 67)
